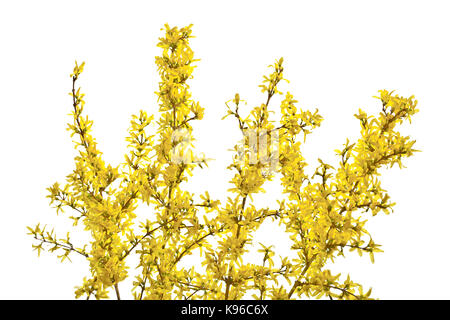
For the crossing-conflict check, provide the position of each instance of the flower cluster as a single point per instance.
(323, 213)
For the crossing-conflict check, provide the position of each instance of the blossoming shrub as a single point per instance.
(323, 213)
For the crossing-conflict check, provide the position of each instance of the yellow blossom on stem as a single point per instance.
(324, 214)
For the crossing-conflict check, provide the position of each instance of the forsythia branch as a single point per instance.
(324, 214)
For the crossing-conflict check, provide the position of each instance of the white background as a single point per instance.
(338, 54)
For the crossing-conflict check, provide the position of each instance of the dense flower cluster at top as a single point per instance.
(323, 213)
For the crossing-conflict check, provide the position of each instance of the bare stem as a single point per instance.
(116, 288)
